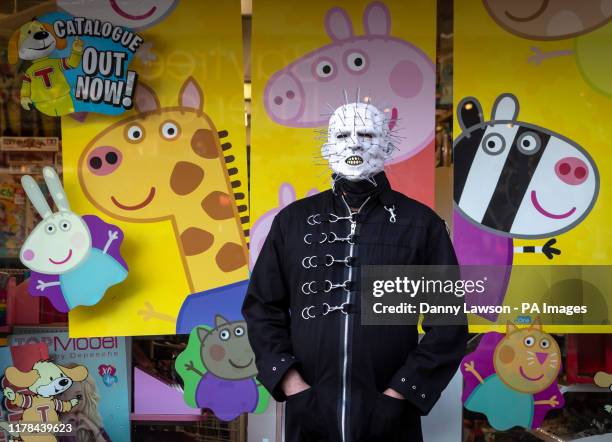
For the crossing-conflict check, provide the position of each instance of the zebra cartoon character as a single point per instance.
(514, 180)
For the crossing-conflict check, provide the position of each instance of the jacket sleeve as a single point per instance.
(266, 311)
(430, 367)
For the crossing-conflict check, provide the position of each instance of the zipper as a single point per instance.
(345, 327)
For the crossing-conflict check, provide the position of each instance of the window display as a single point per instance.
(347, 220)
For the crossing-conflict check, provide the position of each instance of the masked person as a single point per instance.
(344, 381)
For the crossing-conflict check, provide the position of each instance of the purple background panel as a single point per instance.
(147, 393)
(476, 246)
(201, 308)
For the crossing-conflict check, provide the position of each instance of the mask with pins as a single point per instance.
(359, 141)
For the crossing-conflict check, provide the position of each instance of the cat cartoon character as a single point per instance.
(228, 385)
(521, 388)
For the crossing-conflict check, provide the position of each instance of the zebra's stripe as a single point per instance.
(464, 152)
(513, 182)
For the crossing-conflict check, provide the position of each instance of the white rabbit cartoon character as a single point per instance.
(73, 259)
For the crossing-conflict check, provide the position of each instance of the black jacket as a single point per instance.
(295, 316)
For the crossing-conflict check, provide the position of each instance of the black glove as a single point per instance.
(386, 418)
(303, 412)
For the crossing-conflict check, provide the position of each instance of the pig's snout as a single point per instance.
(103, 160)
(285, 97)
(572, 170)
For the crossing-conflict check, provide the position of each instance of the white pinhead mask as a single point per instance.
(358, 141)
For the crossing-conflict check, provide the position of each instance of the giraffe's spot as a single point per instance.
(186, 177)
(218, 205)
(230, 257)
(204, 143)
(196, 241)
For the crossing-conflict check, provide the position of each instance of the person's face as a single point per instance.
(357, 142)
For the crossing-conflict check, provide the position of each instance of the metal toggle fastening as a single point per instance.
(333, 218)
(312, 311)
(307, 262)
(314, 219)
(391, 210)
(332, 308)
(308, 238)
(336, 238)
(330, 260)
(329, 286)
(307, 288)
(306, 312)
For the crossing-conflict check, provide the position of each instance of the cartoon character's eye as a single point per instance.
(169, 130)
(544, 343)
(50, 378)
(224, 334)
(50, 228)
(529, 143)
(65, 225)
(356, 61)
(324, 69)
(239, 331)
(529, 341)
(493, 144)
(134, 133)
(342, 135)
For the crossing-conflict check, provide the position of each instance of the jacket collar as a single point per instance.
(356, 192)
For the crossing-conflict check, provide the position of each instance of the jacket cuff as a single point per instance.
(415, 389)
(271, 370)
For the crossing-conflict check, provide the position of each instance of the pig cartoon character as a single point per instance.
(384, 68)
(259, 231)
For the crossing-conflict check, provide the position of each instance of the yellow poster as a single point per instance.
(336, 52)
(532, 81)
(171, 173)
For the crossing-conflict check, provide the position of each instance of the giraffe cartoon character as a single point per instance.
(178, 170)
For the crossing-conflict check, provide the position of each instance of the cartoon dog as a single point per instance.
(44, 84)
(46, 380)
